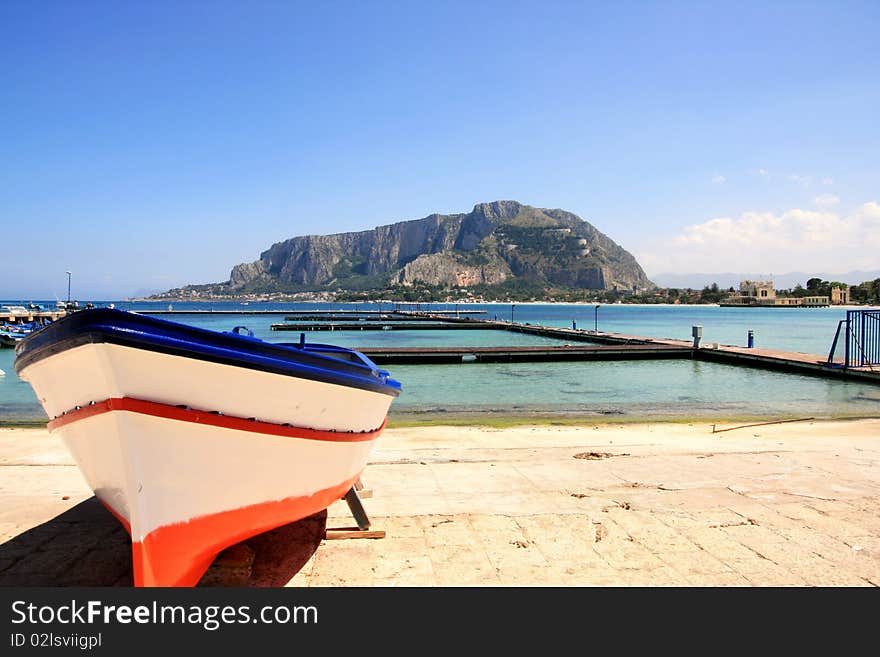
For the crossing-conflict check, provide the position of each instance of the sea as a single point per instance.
(620, 391)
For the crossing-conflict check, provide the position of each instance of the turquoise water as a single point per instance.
(622, 389)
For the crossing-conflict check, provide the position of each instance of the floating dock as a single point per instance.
(398, 313)
(600, 346)
(378, 326)
(212, 312)
(438, 355)
(385, 317)
(625, 347)
(314, 314)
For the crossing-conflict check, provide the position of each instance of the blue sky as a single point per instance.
(145, 145)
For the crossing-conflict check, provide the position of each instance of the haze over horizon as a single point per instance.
(151, 145)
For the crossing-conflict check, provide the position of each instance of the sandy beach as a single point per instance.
(792, 504)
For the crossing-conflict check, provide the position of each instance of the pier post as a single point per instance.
(697, 332)
(751, 341)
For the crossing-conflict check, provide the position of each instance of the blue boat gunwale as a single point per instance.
(105, 325)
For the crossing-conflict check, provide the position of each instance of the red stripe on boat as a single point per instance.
(207, 418)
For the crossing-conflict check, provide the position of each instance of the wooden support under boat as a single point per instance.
(360, 516)
(353, 532)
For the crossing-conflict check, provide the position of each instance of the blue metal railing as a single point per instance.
(861, 330)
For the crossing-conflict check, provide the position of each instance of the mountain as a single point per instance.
(780, 281)
(495, 243)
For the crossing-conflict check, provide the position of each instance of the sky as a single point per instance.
(147, 145)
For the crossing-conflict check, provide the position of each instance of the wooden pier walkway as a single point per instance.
(437, 355)
(315, 314)
(626, 347)
(599, 345)
(31, 315)
(384, 317)
(398, 313)
(212, 312)
(418, 325)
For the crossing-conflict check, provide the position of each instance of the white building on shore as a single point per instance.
(762, 294)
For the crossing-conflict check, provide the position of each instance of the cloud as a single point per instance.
(806, 181)
(718, 179)
(795, 240)
(760, 172)
(826, 200)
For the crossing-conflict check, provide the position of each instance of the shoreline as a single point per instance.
(478, 419)
(503, 421)
(496, 303)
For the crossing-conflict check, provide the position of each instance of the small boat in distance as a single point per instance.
(195, 439)
(12, 334)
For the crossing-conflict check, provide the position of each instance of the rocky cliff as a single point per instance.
(493, 243)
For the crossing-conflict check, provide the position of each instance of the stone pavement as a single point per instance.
(794, 504)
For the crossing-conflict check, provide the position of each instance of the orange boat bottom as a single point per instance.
(179, 554)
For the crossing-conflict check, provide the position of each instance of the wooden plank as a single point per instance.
(389, 325)
(352, 532)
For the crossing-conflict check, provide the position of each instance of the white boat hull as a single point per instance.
(185, 486)
(193, 455)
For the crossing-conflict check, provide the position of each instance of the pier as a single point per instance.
(17, 316)
(315, 314)
(603, 346)
(623, 347)
(336, 317)
(212, 312)
(595, 345)
(441, 355)
(384, 313)
(378, 326)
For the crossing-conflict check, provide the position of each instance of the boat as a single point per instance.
(12, 334)
(195, 439)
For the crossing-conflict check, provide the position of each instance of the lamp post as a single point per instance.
(597, 318)
(68, 287)
(512, 306)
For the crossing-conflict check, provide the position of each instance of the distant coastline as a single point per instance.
(493, 302)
